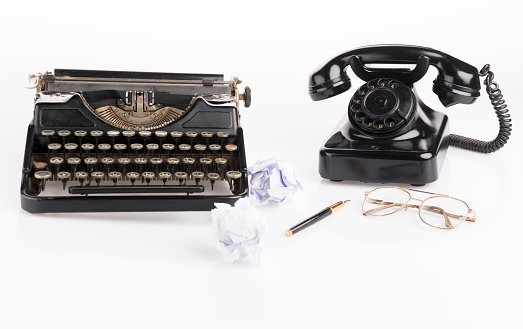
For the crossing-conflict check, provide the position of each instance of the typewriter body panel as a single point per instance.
(133, 141)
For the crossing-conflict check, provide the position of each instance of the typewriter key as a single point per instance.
(96, 134)
(87, 147)
(57, 163)
(81, 176)
(39, 166)
(172, 164)
(123, 163)
(160, 134)
(115, 176)
(213, 177)
(113, 133)
(152, 148)
(205, 164)
(231, 148)
(73, 164)
(164, 176)
(200, 148)
(97, 176)
(71, 147)
(104, 147)
(148, 176)
(136, 147)
(120, 148)
(206, 134)
(176, 135)
(221, 164)
(156, 162)
(48, 133)
(91, 164)
(42, 176)
(214, 148)
(128, 133)
(197, 176)
(144, 133)
(140, 164)
(234, 178)
(64, 134)
(107, 163)
(184, 148)
(80, 134)
(132, 176)
(64, 177)
(181, 177)
(188, 164)
(53, 147)
(168, 148)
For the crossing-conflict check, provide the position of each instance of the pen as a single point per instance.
(313, 219)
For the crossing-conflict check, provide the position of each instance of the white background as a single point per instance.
(162, 270)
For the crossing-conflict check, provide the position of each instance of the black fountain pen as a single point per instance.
(316, 218)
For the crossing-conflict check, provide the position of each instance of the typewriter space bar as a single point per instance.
(135, 189)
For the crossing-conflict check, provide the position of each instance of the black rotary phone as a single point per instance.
(390, 135)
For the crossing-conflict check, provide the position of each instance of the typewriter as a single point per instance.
(133, 141)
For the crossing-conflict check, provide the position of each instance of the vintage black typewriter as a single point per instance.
(133, 141)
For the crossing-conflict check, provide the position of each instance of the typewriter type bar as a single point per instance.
(133, 141)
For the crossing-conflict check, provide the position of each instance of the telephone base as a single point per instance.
(415, 157)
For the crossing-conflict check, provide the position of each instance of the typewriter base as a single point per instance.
(348, 156)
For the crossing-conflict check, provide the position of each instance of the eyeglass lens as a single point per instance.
(385, 201)
(443, 212)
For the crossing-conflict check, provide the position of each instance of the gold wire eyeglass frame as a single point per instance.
(471, 214)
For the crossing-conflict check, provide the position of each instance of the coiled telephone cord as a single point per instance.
(498, 103)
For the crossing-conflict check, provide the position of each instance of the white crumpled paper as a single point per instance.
(239, 231)
(272, 181)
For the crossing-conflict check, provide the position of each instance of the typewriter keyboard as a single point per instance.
(115, 162)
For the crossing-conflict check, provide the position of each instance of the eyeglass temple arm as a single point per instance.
(471, 216)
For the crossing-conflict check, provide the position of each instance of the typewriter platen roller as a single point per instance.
(133, 141)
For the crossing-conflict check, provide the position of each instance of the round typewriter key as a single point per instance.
(104, 147)
(160, 134)
(215, 147)
(200, 147)
(191, 134)
(234, 178)
(205, 164)
(152, 148)
(97, 176)
(206, 134)
(136, 147)
(176, 134)
(168, 147)
(53, 147)
(197, 175)
(181, 177)
(222, 134)
(132, 176)
(39, 166)
(140, 165)
(48, 132)
(87, 147)
(231, 147)
(184, 148)
(120, 147)
(188, 164)
(107, 163)
(213, 177)
(144, 133)
(64, 133)
(91, 164)
(57, 163)
(148, 176)
(96, 133)
(80, 133)
(113, 133)
(64, 176)
(115, 176)
(172, 164)
(73, 164)
(81, 176)
(156, 162)
(123, 163)
(71, 147)
(164, 176)
(128, 133)
(43, 176)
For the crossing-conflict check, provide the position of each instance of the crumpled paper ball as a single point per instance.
(239, 231)
(272, 181)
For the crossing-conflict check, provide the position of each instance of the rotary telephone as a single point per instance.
(390, 135)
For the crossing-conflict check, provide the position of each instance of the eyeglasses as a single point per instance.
(438, 210)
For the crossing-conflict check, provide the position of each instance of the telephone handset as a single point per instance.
(391, 136)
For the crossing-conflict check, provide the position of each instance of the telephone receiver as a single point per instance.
(391, 135)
